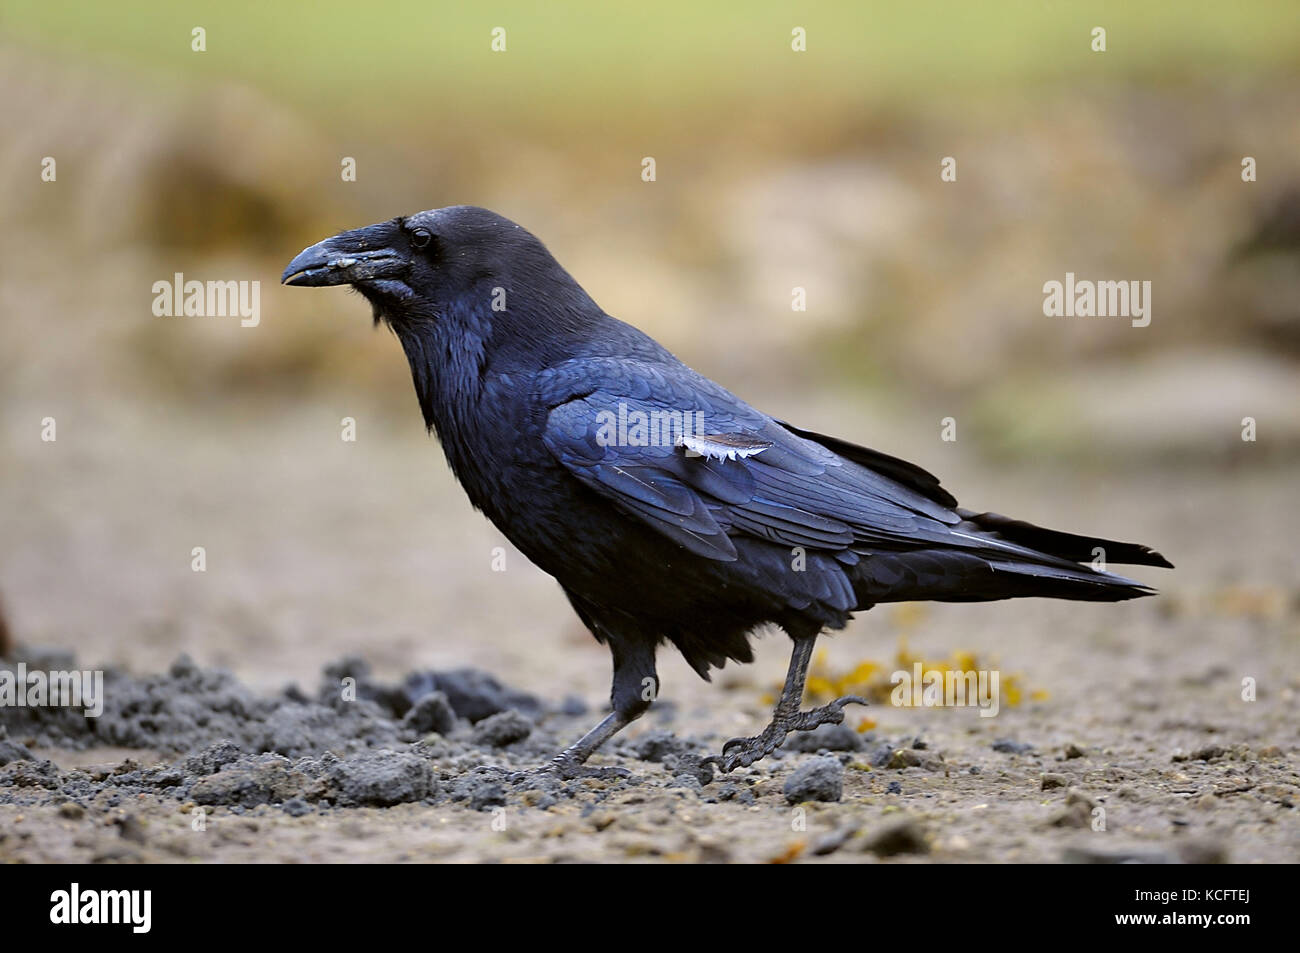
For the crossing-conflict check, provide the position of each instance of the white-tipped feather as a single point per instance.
(721, 446)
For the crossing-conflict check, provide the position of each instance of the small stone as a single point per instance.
(432, 713)
(731, 791)
(830, 843)
(1010, 746)
(10, 752)
(1202, 852)
(382, 778)
(130, 828)
(692, 765)
(474, 694)
(1050, 781)
(296, 807)
(713, 852)
(169, 778)
(688, 781)
(1074, 814)
(821, 779)
(904, 758)
(1076, 796)
(250, 782)
(71, 810)
(825, 738)
(184, 667)
(658, 746)
(1087, 854)
(1073, 751)
(213, 758)
(480, 790)
(503, 728)
(539, 799)
(903, 836)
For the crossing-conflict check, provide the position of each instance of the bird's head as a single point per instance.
(442, 266)
(463, 288)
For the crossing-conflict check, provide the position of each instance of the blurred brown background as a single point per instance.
(775, 169)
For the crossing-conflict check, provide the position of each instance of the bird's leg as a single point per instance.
(571, 762)
(635, 686)
(745, 751)
(786, 717)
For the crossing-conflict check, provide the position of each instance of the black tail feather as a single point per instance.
(1069, 546)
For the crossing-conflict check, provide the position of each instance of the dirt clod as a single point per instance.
(819, 780)
(503, 728)
(903, 836)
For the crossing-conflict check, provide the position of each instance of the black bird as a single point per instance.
(668, 509)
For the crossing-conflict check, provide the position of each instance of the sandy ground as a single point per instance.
(1132, 739)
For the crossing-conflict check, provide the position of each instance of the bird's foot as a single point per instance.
(559, 767)
(742, 752)
(832, 714)
(568, 769)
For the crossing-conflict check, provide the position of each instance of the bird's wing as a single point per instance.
(700, 466)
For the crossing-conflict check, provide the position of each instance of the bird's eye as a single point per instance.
(421, 237)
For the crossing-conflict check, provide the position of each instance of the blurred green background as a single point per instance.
(775, 169)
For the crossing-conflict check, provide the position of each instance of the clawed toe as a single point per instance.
(737, 742)
(832, 714)
(742, 752)
(568, 770)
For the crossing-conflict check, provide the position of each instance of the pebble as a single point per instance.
(905, 758)
(902, 836)
(830, 843)
(503, 728)
(1010, 746)
(825, 738)
(821, 779)
(432, 713)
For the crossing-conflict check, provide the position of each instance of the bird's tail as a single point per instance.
(1078, 549)
(992, 557)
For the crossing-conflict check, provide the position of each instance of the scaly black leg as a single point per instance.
(634, 688)
(741, 752)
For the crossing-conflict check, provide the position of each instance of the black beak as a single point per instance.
(349, 258)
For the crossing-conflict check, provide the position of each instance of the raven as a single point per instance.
(668, 509)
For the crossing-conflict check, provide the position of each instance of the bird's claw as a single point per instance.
(567, 769)
(752, 749)
(560, 768)
(774, 735)
(832, 714)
